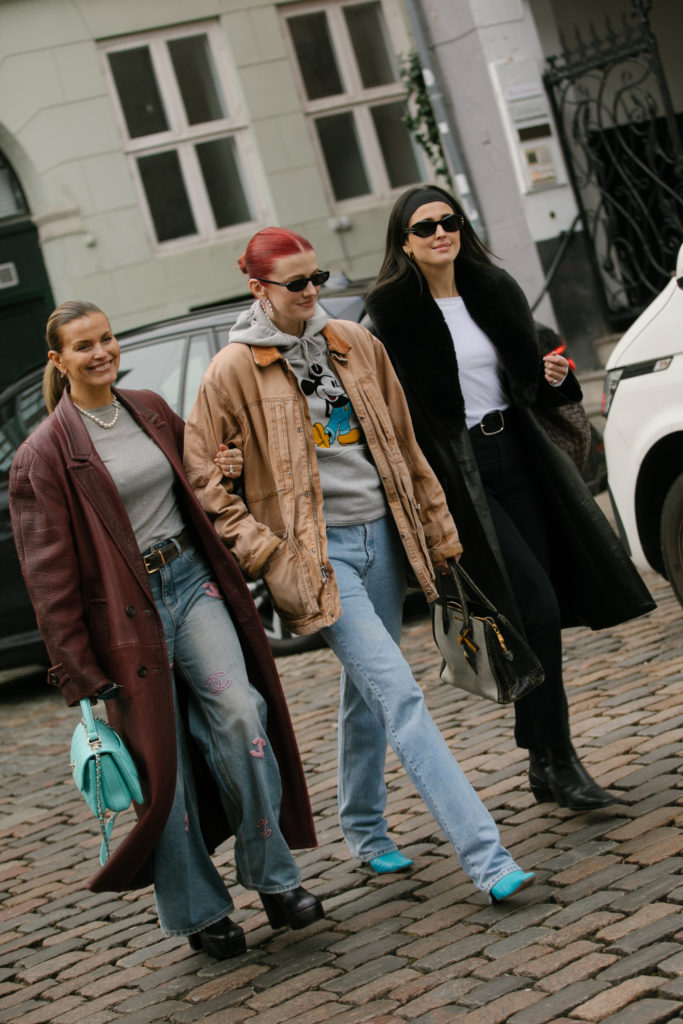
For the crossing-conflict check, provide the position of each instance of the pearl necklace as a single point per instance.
(100, 423)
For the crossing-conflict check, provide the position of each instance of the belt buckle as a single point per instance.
(153, 568)
(492, 433)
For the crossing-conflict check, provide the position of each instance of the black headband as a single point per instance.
(420, 198)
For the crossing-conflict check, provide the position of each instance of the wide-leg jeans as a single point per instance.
(227, 719)
(382, 703)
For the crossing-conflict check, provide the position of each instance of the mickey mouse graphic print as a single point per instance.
(352, 490)
(332, 414)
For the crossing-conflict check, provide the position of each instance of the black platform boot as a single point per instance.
(220, 940)
(295, 908)
(555, 773)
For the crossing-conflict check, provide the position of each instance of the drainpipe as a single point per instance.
(444, 119)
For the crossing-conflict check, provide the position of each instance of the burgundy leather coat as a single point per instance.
(99, 621)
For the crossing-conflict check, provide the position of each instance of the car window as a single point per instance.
(157, 366)
(18, 416)
(197, 361)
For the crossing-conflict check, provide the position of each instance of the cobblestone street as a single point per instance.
(597, 938)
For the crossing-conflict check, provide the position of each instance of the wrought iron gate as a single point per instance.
(622, 143)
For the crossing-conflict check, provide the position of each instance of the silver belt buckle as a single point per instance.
(492, 433)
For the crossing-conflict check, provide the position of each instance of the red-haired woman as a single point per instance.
(334, 497)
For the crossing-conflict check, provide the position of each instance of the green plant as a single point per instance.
(419, 116)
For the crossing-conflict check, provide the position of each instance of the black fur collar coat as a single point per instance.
(412, 328)
(593, 577)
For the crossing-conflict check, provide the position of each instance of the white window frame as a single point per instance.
(355, 99)
(182, 136)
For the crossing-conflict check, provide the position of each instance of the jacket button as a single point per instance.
(130, 610)
(142, 671)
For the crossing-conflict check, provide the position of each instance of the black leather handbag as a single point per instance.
(482, 651)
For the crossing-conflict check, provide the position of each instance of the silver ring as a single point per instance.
(230, 469)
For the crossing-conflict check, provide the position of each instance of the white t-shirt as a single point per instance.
(477, 362)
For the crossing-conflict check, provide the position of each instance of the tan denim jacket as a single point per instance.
(272, 518)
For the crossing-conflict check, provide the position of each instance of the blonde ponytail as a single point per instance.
(54, 383)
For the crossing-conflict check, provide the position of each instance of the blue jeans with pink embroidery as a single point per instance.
(227, 719)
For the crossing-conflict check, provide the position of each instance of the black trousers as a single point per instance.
(524, 535)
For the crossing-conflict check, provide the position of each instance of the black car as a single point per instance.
(169, 358)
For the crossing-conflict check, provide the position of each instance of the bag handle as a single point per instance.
(463, 581)
(442, 578)
(89, 720)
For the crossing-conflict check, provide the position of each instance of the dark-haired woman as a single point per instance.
(462, 339)
(334, 499)
(138, 603)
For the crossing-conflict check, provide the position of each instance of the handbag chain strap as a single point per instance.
(95, 745)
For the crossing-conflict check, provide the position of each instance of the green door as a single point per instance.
(25, 293)
(25, 299)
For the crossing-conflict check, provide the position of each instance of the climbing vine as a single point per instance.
(419, 116)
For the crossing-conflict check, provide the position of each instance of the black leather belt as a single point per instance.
(492, 423)
(158, 557)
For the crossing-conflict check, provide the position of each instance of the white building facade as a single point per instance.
(143, 143)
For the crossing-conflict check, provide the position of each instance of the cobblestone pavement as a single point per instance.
(597, 938)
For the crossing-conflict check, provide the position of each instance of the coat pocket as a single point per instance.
(293, 579)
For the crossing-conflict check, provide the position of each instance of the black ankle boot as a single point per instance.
(295, 908)
(220, 940)
(555, 773)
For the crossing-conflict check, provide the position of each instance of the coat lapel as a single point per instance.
(96, 486)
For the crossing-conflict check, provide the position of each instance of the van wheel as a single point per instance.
(671, 535)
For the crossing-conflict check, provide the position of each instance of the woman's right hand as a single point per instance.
(229, 461)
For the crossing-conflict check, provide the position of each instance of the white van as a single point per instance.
(643, 403)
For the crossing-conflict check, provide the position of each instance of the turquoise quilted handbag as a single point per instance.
(104, 772)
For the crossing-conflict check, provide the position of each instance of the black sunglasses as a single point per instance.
(299, 283)
(425, 228)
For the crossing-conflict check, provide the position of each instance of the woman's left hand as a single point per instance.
(229, 461)
(555, 368)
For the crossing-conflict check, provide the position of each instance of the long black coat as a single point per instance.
(593, 577)
(98, 619)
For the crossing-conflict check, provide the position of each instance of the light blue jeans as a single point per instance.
(381, 703)
(227, 719)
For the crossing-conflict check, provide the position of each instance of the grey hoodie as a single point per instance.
(352, 490)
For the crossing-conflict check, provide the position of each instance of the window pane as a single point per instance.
(156, 366)
(314, 51)
(197, 79)
(394, 140)
(164, 187)
(218, 161)
(18, 417)
(138, 91)
(197, 361)
(369, 37)
(342, 154)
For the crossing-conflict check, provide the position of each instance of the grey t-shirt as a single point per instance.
(143, 477)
